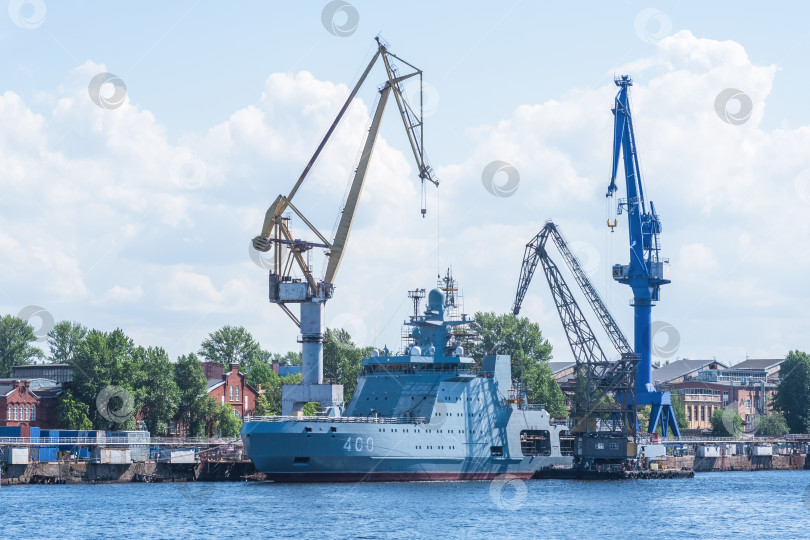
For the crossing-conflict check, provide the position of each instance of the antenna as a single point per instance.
(416, 295)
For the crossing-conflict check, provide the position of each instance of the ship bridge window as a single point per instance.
(535, 442)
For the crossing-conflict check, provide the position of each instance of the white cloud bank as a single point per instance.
(106, 221)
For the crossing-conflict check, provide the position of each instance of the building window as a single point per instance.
(27, 413)
(237, 393)
(231, 396)
(702, 413)
(8, 416)
(33, 412)
(689, 412)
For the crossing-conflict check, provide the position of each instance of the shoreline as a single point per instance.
(244, 471)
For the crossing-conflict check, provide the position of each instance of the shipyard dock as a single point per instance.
(118, 457)
(81, 460)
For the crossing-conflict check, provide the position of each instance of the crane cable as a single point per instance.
(438, 233)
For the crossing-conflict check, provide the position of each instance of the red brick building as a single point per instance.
(24, 406)
(230, 387)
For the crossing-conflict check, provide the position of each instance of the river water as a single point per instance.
(711, 505)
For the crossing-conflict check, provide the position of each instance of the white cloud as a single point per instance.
(94, 208)
(119, 294)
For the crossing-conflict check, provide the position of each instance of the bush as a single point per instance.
(726, 423)
(773, 425)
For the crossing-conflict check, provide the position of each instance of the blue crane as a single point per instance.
(645, 273)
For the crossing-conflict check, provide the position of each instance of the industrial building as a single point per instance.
(706, 385)
(285, 369)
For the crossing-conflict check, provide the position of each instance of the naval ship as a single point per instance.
(428, 413)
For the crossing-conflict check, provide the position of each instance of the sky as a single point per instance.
(143, 142)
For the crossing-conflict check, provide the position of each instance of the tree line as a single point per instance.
(145, 381)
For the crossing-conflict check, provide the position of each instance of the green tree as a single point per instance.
(793, 392)
(773, 425)
(679, 408)
(16, 337)
(312, 408)
(108, 371)
(71, 413)
(64, 340)
(293, 357)
(726, 423)
(262, 407)
(342, 359)
(192, 385)
(273, 392)
(228, 424)
(261, 373)
(231, 344)
(160, 392)
(530, 352)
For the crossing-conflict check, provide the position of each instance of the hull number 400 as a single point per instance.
(357, 444)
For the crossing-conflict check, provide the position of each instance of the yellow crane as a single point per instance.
(312, 293)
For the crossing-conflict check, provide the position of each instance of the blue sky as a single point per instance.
(98, 223)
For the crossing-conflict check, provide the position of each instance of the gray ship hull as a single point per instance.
(285, 452)
(465, 440)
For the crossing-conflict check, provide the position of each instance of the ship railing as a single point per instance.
(342, 419)
(532, 407)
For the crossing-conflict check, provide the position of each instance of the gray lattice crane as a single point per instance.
(603, 416)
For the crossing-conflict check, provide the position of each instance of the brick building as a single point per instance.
(27, 403)
(230, 387)
(747, 388)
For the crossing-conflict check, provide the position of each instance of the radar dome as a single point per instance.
(436, 300)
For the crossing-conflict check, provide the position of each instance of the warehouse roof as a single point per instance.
(681, 368)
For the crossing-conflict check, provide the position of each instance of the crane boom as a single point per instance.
(535, 250)
(336, 250)
(271, 231)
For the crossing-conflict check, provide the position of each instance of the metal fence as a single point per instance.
(339, 419)
(116, 441)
